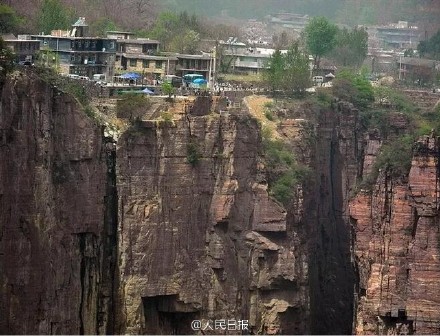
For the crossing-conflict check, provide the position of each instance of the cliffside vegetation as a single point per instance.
(6, 61)
(353, 87)
(288, 72)
(283, 170)
(132, 106)
(398, 120)
(431, 47)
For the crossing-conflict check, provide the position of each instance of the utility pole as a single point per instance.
(214, 75)
(210, 71)
(400, 67)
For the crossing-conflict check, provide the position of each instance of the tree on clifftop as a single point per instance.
(289, 72)
(9, 20)
(6, 61)
(53, 15)
(431, 47)
(273, 75)
(297, 74)
(320, 38)
(351, 47)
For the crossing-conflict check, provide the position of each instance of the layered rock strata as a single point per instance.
(56, 224)
(199, 236)
(397, 249)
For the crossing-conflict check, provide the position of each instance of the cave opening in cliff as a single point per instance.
(397, 325)
(165, 314)
(222, 226)
(292, 321)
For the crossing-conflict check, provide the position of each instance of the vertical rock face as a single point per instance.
(335, 163)
(177, 225)
(53, 198)
(199, 236)
(397, 249)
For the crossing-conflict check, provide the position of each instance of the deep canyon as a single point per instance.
(99, 236)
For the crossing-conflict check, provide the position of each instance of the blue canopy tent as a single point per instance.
(131, 75)
(147, 91)
(199, 83)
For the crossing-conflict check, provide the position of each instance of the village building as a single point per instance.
(77, 53)
(24, 49)
(295, 22)
(399, 35)
(140, 55)
(418, 70)
(194, 64)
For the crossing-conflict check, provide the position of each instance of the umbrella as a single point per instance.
(200, 81)
(131, 75)
(147, 91)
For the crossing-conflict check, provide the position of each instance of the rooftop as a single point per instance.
(150, 57)
(139, 41)
(81, 22)
(424, 62)
(202, 57)
(120, 32)
(74, 37)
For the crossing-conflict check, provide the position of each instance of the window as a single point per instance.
(146, 64)
(133, 62)
(159, 64)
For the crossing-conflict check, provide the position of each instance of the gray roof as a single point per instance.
(138, 41)
(8, 37)
(120, 32)
(203, 57)
(423, 62)
(81, 22)
(150, 57)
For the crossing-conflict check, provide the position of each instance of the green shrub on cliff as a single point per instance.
(390, 97)
(284, 172)
(354, 88)
(193, 154)
(132, 106)
(394, 157)
(6, 60)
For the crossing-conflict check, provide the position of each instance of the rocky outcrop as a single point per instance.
(397, 249)
(182, 228)
(199, 236)
(56, 223)
(175, 223)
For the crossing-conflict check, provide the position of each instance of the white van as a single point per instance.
(318, 79)
(99, 77)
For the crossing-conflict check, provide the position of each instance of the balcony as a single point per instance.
(186, 67)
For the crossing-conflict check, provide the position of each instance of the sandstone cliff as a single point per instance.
(175, 222)
(199, 236)
(397, 249)
(55, 229)
(189, 232)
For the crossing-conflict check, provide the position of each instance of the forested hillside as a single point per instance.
(139, 14)
(350, 12)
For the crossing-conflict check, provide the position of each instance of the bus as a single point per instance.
(189, 78)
